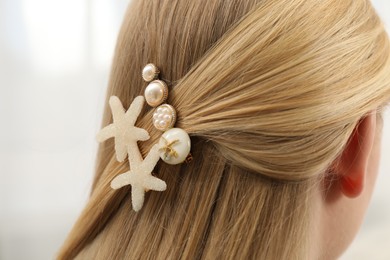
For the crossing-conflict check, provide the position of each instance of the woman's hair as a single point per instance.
(269, 91)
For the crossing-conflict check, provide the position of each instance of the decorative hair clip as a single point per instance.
(173, 147)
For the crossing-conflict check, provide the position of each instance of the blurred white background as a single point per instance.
(54, 63)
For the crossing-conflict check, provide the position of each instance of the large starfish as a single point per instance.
(123, 129)
(140, 175)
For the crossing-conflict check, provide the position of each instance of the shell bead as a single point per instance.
(156, 93)
(150, 72)
(174, 146)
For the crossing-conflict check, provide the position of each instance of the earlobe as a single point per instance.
(351, 166)
(352, 188)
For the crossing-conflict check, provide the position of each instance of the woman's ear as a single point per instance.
(351, 166)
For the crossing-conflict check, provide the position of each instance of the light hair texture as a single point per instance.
(270, 92)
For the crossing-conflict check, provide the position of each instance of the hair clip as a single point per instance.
(173, 147)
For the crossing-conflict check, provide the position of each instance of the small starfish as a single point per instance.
(167, 148)
(140, 175)
(123, 128)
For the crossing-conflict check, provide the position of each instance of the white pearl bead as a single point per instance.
(156, 93)
(181, 147)
(162, 123)
(150, 72)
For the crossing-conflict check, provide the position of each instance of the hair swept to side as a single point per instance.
(269, 91)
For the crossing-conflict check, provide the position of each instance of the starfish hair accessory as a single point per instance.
(173, 147)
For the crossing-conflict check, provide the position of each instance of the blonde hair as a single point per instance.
(269, 91)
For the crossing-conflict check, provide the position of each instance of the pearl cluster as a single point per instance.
(164, 117)
(156, 93)
(175, 143)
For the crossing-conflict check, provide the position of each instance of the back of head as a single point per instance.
(269, 91)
